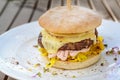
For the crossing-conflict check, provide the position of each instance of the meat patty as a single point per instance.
(72, 46)
(77, 45)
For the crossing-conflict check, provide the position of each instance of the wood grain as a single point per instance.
(92, 6)
(8, 15)
(118, 2)
(65, 2)
(101, 9)
(24, 14)
(55, 3)
(3, 5)
(2, 76)
(108, 8)
(77, 2)
(9, 78)
(84, 3)
(41, 8)
(115, 8)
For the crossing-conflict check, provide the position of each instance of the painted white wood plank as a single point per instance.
(9, 78)
(55, 3)
(8, 15)
(24, 14)
(41, 8)
(2, 76)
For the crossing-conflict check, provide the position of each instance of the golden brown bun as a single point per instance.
(77, 20)
(75, 65)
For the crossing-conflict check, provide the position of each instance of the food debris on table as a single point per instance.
(36, 46)
(46, 70)
(73, 76)
(105, 45)
(38, 74)
(13, 61)
(29, 69)
(54, 73)
(115, 59)
(102, 64)
(114, 50)
(36, 65)
(28, 62)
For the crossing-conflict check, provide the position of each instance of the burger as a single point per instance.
(69, 38)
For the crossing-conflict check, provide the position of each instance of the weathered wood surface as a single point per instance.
(18, 12)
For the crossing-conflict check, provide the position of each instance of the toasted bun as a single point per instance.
(75, 65)
(77, 20)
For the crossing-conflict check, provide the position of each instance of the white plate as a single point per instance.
(17, 44)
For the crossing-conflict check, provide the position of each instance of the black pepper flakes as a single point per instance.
(115, 59)
(106, 45)
(38, 74)
(102, 64)
(17, 63)
(54, 73)
(73, 76)
(45, 69)
(107, 52)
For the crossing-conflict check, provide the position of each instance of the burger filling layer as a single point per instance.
(54, 43)
(74, 56)
(71, 47)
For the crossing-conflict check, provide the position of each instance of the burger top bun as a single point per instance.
(61, 20)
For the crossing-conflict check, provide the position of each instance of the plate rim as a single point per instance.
(17, 27)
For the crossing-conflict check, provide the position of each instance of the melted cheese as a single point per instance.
(52, 43)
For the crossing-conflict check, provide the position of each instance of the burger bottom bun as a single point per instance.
(75, 65)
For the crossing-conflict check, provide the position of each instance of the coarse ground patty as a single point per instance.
(72, 46)
(77, 45)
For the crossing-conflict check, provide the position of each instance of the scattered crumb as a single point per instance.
(14, 61)
(21, 68)
(29, 69)
(114, 50)
(36, 46)
(73, 76)
(17, 63)
(54, 73)
(39, 74)
(107, 52)
(115, 59)
(28, 62)
(37, 65)
(61, 73)
(119, 52)
(102, 64)
(45, 69)
(65, 75)
(106, 45)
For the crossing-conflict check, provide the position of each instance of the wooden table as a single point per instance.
(17, 12)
